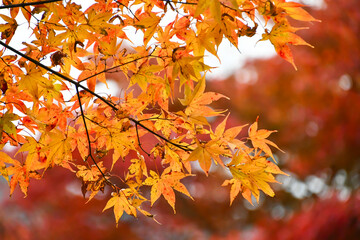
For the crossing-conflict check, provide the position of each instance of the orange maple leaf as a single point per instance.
(281, 36)
(295, 10)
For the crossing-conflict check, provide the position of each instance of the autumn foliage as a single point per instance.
(52, 112)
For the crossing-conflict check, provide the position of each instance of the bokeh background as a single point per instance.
(316, 111)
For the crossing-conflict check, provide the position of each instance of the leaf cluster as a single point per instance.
(49, 127)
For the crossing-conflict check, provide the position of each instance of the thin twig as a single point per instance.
(89, 142)
(186, 3)
(118, 2)
(27, 4)
(159, 136)
(83, 117)
(138, 138)
(117, 66)
(78, 85)
(58, 74)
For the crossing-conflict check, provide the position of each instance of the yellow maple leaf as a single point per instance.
(214, 6)
(258, 139)
(58, 150)
(8, 30)
(121, 203)
(205, 152)
(251, 175)
(164, 185)
(5, 159)
(149, 24)
(236, 188)
(197, 100)
(92, 179)
(228, 136)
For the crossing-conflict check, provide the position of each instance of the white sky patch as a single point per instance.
(232, 58)
(316, 4)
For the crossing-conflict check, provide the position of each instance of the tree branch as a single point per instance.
(159, 136)
(57, 74)
(188, 3)
(138, 138)
(78, 85)
(27, 4)
(89, 142)
(117, 66)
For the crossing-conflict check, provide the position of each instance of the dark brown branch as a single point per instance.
(191, 3)
(11, 137)
(78, 85)
(27, 4)
(57, 74)
(121, 4)
(89, 142)
(187, 3)
(84, 120)
(159, 136)
(117, 66)
(138, 138)
(15, 103)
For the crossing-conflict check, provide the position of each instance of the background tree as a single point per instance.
(315, 106)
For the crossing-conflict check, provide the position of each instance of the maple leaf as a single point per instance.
(214, 6)
(229, 136)
(137, 169)
(197, 100)
(236, 188)
(122, 143)
(18, 172)
(164, 185)
(19, 176)
(258, 138)
(149, 23)
(34, 159)
(6, 123)
(90, 175)
(58, 150)
(173, 157)
(8, 30)
(145, 76)
(295, 11)
(250, 176)
(92, 179)
(280, 36)
(5, 159)
(282, 33)
(205, 152)
(121, 203)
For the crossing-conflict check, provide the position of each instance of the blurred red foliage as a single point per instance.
(322, 219)
(316, 111)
